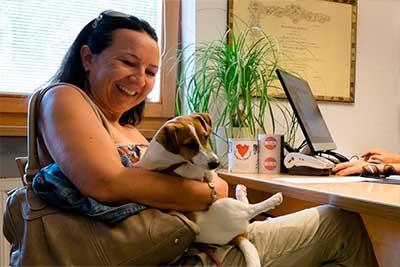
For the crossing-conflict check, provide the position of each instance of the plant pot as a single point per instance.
(221, 141)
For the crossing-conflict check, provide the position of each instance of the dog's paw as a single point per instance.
(277, 199)
(241, 193)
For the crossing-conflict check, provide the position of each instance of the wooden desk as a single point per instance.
(378, 204)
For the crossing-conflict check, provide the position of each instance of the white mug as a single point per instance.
(270, 153)
(242, 155)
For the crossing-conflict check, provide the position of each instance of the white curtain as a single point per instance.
(35, 35)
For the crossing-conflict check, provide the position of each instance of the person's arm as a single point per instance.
(382, 155)
(78, 142)
(350, 167)
(356, 167)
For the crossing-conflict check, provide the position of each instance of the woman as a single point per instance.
(379, 162)
(115, 59)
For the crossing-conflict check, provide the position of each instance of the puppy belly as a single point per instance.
(217, 234)
(220, 231)
(224, 220)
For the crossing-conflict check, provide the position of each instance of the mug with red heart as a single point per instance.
(242, 155)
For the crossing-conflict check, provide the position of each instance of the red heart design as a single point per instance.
(242, 149)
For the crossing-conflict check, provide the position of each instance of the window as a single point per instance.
(35, 35)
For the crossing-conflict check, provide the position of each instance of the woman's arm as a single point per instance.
(356, 167)
(382, 155)
(350, 167)
(78, 142)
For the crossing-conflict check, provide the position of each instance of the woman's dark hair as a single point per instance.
(97, 34)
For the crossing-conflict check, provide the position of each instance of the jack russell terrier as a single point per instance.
(181, 146)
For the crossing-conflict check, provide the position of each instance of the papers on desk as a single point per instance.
(393, 179)
(324, 180)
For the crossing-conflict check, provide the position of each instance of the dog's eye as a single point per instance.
(192, 144)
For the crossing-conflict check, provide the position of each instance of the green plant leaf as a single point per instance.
(232, 81)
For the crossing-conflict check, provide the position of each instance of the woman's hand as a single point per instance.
(382, 155)
(350, 167)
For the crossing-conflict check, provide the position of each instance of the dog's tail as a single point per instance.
(265, 205)
(249, 251)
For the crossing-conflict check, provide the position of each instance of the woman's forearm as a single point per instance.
(154, 189)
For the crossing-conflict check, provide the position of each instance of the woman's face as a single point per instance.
(122, 75)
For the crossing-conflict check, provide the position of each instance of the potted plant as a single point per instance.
(231, 81)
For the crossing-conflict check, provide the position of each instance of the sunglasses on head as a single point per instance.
(109, 13)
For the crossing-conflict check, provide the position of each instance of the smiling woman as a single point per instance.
(40, 54)
(128, 66)
(83, 126)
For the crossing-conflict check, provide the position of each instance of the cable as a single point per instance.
(303, 144)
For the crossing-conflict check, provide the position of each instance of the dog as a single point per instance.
(181, 147)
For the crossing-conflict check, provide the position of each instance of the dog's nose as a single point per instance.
(213, 164)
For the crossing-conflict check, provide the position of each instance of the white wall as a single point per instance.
(373, 120)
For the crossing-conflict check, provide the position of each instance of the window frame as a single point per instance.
(14, 106)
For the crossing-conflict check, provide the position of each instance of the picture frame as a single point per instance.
(317, 40)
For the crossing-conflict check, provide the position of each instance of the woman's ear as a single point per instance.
(86, 57)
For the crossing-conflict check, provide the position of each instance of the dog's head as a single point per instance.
(187, 136)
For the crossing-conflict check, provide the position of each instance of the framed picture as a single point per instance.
(317, 40)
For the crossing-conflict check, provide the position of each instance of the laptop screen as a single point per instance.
(307, 112)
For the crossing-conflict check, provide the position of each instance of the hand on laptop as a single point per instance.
(381, 155)
(377, 155)
(349, 168)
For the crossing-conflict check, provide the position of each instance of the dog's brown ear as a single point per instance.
(168, 137)
(204, 119)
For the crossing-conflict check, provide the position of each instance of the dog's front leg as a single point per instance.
(190, 171)
(209, 175)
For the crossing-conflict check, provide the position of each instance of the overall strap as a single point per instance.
(33, 164)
